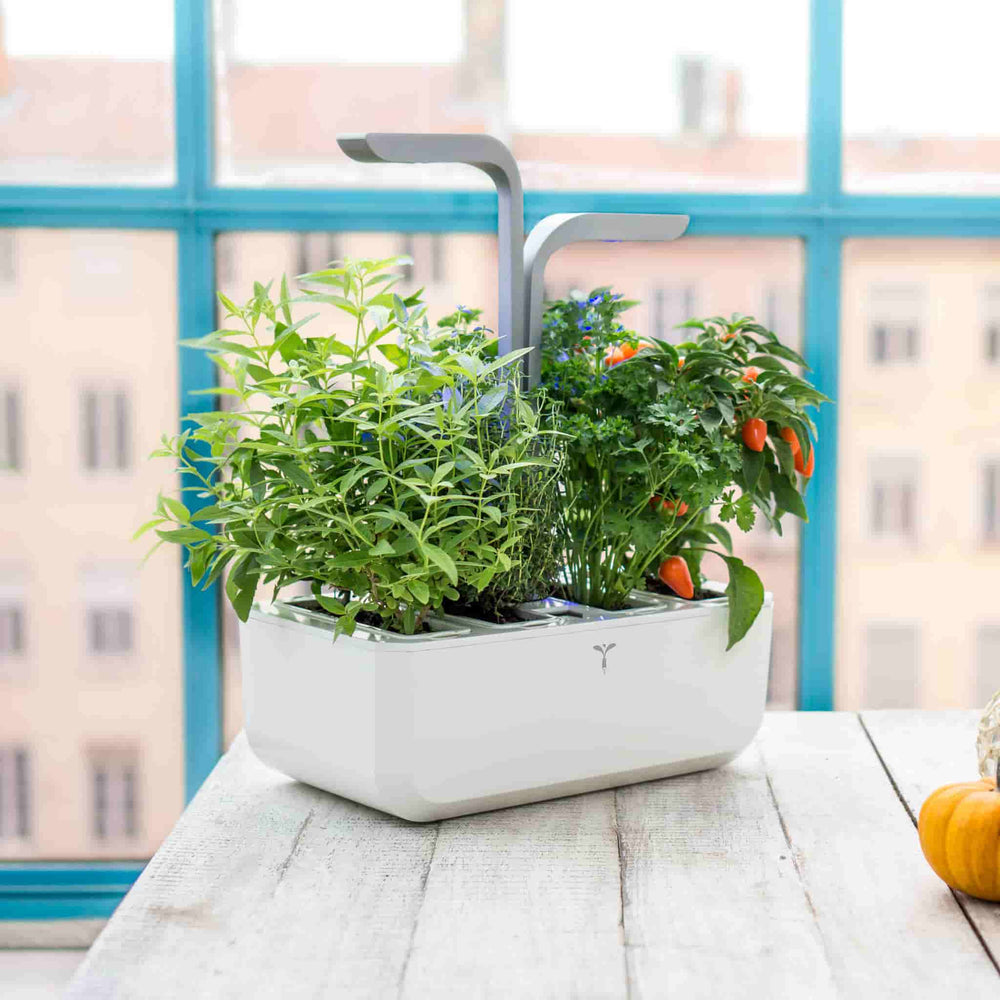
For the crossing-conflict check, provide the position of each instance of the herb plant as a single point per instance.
(386, 474)
(656, 441)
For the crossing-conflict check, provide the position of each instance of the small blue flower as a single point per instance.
(562, 356)
(595, 300)
(367, 436)
(616, 297)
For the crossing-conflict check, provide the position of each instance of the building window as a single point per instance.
(426, 250)
(114, 777)
(109, 631)
(987, 663)
(892, 495)
(8, 259)
(782, 313)
(316, 251)
(991, 323)
(895, 321)
(108, 598)
(105, 421)
(10, 429)
(15, 793)
(991, 500)
(12, 640)
(669, 307)
(225, 263)
(893, 665)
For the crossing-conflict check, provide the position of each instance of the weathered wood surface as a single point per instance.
(792, 872)
(922, 751)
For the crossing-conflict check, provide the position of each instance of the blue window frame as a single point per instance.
(822, 216)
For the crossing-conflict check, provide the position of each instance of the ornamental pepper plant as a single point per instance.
(384, 470)
(661, 440)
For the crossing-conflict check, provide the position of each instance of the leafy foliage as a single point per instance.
(386, 471)
(649, 421)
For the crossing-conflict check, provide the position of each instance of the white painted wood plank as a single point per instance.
(713, 903)
(887, 928)
(692, 886)
(523, 903)
(922, 751)
(266, 888)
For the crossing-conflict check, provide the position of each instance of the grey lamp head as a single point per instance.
(555, 231)
(520, 286)
(494, 159)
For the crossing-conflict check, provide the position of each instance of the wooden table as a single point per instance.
(793, 872)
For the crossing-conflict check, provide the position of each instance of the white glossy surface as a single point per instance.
(428, 728)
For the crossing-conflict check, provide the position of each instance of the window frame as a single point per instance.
(822, 216)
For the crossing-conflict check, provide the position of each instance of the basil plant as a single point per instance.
(384, 467)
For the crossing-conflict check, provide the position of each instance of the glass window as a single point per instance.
(711, 100)
(991, 323)
(105, 429)
(893, 498)
(90, 642)
(895, 318)
(920, 114)
(15, 794)
(115, 773)
(991, 500)
(86, 93)
(916, 474)
(10, 429)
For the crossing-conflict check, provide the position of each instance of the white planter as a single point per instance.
(473, 717)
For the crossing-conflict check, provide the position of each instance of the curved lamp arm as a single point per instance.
(494, 159)
(555, 231)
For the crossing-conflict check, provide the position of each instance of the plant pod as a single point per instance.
(959, 828)
(807, 469)
(675, 574)
(755, 434)
(681, 507)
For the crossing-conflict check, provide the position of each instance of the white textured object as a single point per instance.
(988, 740)
(471, 718)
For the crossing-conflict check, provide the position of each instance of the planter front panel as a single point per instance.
(446, 726)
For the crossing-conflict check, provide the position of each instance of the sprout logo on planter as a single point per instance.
(604, 649)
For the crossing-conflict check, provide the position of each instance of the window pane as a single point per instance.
(709, 98)
(920, 113)
(91, 724)
(918, 476)
(694, 276)
(86, 93)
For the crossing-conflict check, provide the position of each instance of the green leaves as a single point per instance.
(441, 558)
(667, 423)
(753, 464)
(746, 598)
(788, 497)
(378, 458)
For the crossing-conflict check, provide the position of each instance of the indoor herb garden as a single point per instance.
(502, 537)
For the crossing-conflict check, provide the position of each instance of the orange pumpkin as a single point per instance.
(959, 830)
